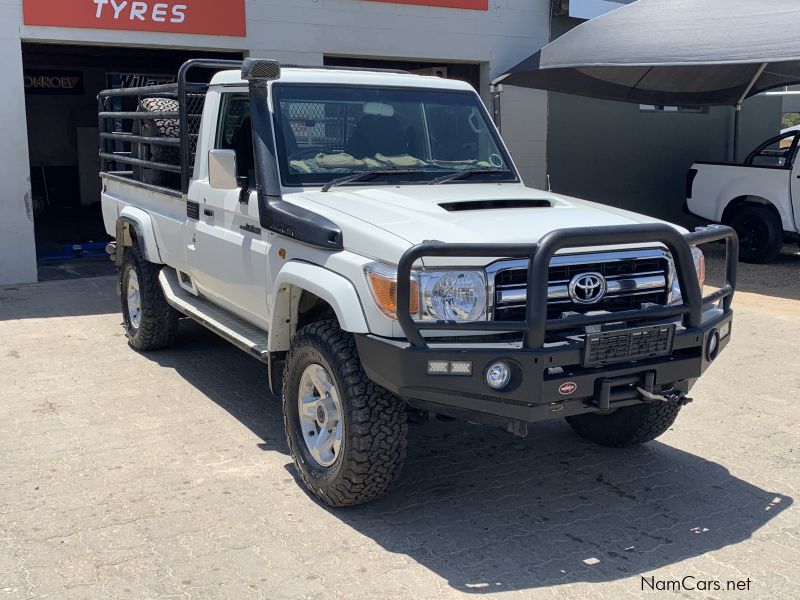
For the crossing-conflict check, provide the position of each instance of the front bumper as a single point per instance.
(551, 376)
(539, 376)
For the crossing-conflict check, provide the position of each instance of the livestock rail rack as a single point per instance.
(155, 149)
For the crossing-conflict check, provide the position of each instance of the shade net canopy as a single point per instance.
(672, 52)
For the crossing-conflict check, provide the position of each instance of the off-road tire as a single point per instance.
(374, 439)
(760, 233)
(159, 321)
(158, 128)
(627, 426)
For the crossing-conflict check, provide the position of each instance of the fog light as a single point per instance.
(498, 375)
(712, 346)
(438, 367)
(461, 368)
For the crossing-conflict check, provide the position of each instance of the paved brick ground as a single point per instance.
(167, 475)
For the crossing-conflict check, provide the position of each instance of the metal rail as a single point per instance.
(122, 141)
(129, 137)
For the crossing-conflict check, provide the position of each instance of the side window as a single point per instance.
(234, 133)
(776, 152)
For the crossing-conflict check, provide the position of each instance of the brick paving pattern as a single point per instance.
(167, 476)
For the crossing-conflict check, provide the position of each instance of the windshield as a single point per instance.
(330, 132)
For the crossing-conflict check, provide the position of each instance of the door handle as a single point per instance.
(208, 212)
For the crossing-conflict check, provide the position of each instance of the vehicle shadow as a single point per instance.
(227, 376)
(779, 279)
(489, 512)
(67, 298)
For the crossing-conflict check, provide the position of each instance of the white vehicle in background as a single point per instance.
(367, 236)
(759, 198)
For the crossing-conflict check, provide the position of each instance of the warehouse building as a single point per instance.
(57, 55)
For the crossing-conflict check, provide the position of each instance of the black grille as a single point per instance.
(563, 274)
(193, 210)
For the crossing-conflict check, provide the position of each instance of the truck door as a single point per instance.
(795, 189)
(228, 251)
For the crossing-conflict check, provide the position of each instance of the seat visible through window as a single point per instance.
(376, 134)
(235, 133)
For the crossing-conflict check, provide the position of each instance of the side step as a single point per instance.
(248, 337)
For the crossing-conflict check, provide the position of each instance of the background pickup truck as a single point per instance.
(759, 198)
(367, 236)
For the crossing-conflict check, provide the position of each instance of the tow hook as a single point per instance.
(674, 397)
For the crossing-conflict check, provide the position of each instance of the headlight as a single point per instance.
(453, 295)
(700, 270)
(436, 295)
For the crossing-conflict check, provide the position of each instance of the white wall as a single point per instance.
(524, 123)
(302, 32)
(17, 249)
(589, 9)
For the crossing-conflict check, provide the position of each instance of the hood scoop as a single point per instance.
(494, 204)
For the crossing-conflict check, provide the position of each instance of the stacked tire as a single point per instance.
(160, 128)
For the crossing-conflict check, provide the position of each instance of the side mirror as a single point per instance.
(222, 169)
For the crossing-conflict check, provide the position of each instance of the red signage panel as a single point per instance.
(468, 4)
(209, 17)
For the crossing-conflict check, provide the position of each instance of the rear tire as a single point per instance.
(366, 422)
(150, 323)
(627, 426)
(760, 233)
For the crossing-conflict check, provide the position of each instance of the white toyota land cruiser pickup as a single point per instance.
(367, 236)
(759, 198)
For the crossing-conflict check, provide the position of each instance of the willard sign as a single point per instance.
(209, 17)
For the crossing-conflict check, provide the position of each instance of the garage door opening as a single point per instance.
(61, 87)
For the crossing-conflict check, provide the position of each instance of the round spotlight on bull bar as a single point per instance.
(712, 345)
(498, 375)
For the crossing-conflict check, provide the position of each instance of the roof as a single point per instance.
(672, 52)
(349, 77)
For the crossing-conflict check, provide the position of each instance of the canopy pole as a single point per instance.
(497, 112)
(737, 115)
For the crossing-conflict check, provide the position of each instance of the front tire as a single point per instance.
(627, 426)
(150, 323)
(760, 233)
(347, 436)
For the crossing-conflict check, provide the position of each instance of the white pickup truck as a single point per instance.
(368, 237)
(759, 198)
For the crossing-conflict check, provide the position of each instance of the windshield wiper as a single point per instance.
(466, 173)
(362, 175)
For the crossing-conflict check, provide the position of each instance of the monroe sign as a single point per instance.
(209, 17)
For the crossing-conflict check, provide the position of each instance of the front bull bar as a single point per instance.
(536, 324)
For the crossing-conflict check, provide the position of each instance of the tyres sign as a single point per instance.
(208, 17)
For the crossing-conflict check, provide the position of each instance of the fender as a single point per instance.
(331, 287)
(776, 195)
(142, 224)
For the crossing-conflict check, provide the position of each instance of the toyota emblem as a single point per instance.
(587, 288)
